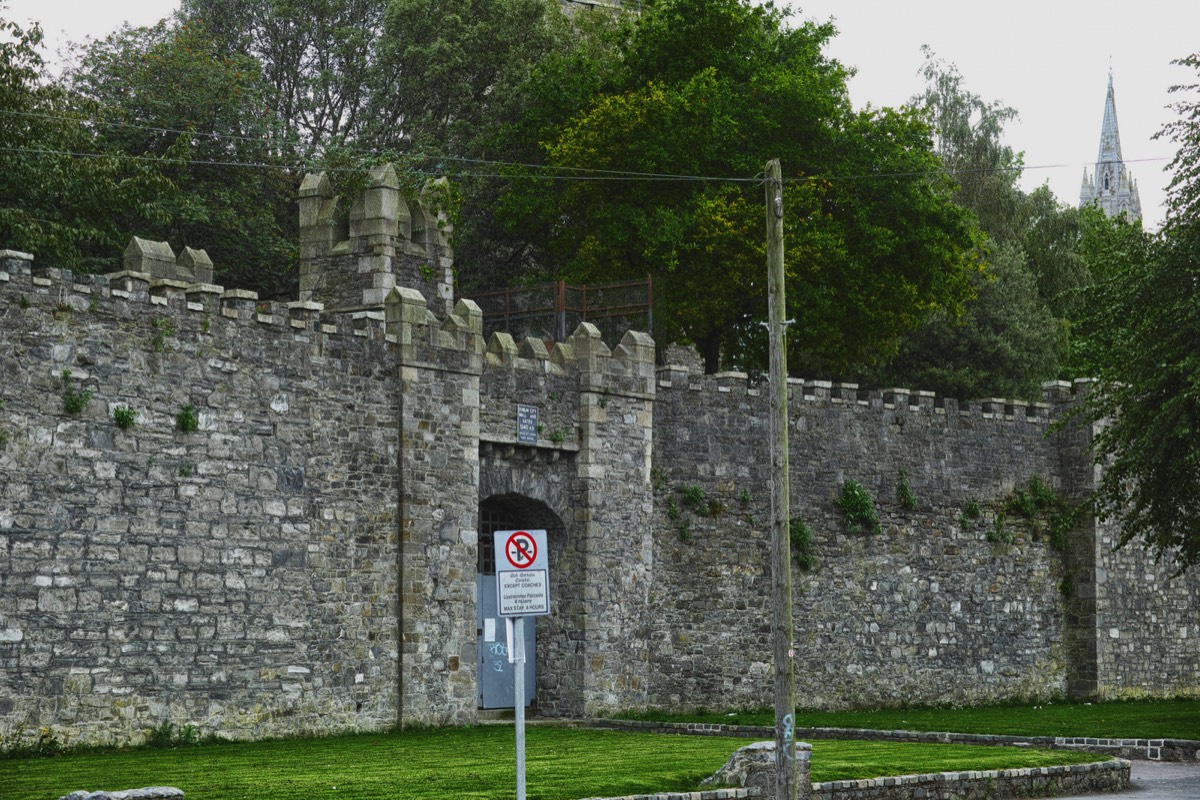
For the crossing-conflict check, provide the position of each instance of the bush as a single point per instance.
(858, 509)
(800, 538)
(187, 420)
(124, 417)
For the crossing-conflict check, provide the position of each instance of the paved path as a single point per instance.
(1158, 781)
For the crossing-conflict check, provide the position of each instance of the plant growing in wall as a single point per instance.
(999, 532)
(658, 479)
(163, 330)
(904, 493)
(1044, 509)
(694, 498)
(187, 420)
(800, 538)
(124, 416)
(858, 508)
(73, 402)
(970, 514)
(672, 508)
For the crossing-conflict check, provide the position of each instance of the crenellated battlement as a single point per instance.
(351, 259)
(177, 303)
(1055, 396)
(584, 351)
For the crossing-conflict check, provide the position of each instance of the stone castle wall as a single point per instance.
(306, 559)
(241, 577)
(927, 611)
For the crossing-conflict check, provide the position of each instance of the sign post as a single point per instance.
(522, 590)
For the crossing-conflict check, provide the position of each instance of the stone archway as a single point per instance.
(558, 678)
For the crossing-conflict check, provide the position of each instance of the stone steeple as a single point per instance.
(1111, 186)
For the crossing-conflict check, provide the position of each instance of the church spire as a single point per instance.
(1111, 187)
(1110, 136)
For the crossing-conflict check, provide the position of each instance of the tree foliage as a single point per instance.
(1145, 322)
(62, 197)
(168, 94)
(1013, 334)
(317, 60)
(710, 91)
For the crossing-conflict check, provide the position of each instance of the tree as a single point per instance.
(1145, 315)
(169, 94)
(1013, 333)
(1004, 343)
(710, 91)
(968, 138)
(62, 197)
(317, 60)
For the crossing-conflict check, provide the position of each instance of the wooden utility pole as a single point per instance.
(781, 551)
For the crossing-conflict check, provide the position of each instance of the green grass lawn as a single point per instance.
(1160, 719)
(469, 763)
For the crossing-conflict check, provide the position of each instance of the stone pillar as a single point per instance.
(1080, 559)
(374, 228)
(434, 201)
(440, 364)
(318, 232)
(615, 515)
(194, 266)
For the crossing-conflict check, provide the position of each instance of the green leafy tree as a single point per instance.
(447, 67)
(716, 88)
(1002, 338)
(1053, 244)
(1013, 333)
(169, 94)
(317, 61)
(968, 135)
(62, 197)
(1145, 319)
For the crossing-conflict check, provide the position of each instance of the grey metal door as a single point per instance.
(496, 688)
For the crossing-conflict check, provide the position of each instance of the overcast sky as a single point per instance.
(1049, 59)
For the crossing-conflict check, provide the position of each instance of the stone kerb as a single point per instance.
(147, 793)
(1108, 776)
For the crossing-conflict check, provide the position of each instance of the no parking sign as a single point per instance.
(522, 576)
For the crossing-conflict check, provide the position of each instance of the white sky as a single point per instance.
(1049, 59)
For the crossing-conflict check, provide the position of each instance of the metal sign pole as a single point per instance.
(522, 590)
(519, 700)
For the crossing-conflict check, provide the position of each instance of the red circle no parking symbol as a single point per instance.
(520, 549)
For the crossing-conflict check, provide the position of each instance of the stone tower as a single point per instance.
(1111, 186)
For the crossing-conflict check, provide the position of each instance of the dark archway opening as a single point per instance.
(548, 682)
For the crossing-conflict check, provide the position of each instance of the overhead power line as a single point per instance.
(508, 170)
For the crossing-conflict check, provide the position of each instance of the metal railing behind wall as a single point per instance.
(552, 311)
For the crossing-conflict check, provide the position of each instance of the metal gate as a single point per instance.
(496, 688)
